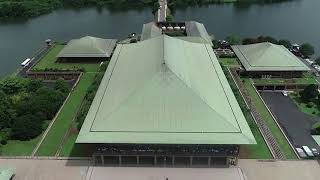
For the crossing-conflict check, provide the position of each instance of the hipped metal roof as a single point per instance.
(268, 57)
(165, 91)
(88, 46)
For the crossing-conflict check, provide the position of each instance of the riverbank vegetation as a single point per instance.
(26, 108)
(30, 8)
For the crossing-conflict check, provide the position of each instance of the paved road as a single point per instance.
(23, 71)
(296, 123)
(32, 169)
(162, 12)
(313, 70)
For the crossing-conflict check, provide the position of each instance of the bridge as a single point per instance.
(162, 11)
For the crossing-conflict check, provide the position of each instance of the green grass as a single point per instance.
(283, 143)
(49, 62)
(229, 61)
(54, 137)
(312, 111)
(19, 148)
(68, 146)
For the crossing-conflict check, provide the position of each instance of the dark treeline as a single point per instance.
(29, 8)
(26, 106)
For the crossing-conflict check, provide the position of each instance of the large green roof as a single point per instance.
(268, 57)
(165, 91)
(6, 173)
(88, 46)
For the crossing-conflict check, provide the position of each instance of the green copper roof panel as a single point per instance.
(88, 47)
(268, 57)
(6, 173)
(165, 91)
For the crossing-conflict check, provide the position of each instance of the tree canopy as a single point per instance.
(309, 93)
(307, 49)
(25, 104)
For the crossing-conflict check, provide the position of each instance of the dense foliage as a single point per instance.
(307, 49)
(25, 104)
(91, 92)
(309, 93)
(30, 8)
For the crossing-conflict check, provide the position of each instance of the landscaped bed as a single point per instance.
(49, 63)
(282, 141)
(260, 150)
(229, 61)
(310, 108)
(307, 78)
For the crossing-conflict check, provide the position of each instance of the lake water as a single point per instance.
(297, 21)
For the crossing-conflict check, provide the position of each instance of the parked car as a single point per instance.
(307, 151)
(285, 93)
(315, 151)
(301, 153)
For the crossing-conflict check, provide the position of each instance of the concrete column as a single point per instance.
(120, 161)
(173, 160)
(94, 160)
(138, 160)
(209, 161)
(155, 160)
(191, 158)
(102, 159)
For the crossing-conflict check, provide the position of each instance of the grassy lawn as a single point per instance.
(49, 62)
(284, 145)
(54, 137)
(312, 111)
(229, 61)
(19, 148)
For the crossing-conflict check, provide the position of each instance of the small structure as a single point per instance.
(190, 31)
(88, 48)
(267, 60)
(151, 30)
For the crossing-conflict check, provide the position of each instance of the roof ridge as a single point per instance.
(198, 95)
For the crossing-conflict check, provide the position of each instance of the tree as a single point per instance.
(233, 39)
(246, 41)
(26, 127)
(286, 43)
(13, 84)
(6, 112)
(169, 18)
(309, 93)
(62, 86)
(317, 61)
(307, 49)
(33, 85)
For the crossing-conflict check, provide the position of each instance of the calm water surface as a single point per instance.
(297, 21)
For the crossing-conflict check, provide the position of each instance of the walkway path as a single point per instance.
(33, 169)
(162, 12)
(264, 129)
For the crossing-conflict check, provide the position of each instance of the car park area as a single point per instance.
(296, 124)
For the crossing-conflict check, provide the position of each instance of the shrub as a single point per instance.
(309, 105)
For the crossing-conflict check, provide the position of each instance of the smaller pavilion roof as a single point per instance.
(268, 57)
(88, 46)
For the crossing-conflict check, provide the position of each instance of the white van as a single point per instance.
(308, 151)
(301, 153)
(26, 62)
